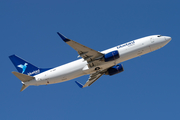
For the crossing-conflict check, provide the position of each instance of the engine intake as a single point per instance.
(111, 56)
(115, 69)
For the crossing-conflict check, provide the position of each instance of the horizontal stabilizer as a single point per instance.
(79, 84)
(24, 87)
(23, 77)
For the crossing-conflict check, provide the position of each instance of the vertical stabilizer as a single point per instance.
(25, 67)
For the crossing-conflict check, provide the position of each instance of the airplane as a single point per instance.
(95, 63)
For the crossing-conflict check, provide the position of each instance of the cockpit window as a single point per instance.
(159, 36)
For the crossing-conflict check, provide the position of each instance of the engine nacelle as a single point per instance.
(115, 69)
(111, 56)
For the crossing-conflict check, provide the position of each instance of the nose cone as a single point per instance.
(168, 39)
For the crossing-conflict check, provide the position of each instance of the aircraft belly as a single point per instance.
(156, 46)
(66, 73)
(66, 77)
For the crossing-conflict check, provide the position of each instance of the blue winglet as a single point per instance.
(63, 37)
(79, 84)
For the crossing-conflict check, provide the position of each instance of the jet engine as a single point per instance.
(115, 69)
(111, 56)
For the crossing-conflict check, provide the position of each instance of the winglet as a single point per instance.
(79, 84)
(63, 37)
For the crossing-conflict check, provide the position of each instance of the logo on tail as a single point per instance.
(23, 67)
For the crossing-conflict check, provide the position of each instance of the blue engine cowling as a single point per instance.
(115, 69)
(111, 56)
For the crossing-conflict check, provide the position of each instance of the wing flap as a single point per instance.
(92, 79)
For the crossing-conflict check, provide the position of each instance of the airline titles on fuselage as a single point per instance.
(126, 44)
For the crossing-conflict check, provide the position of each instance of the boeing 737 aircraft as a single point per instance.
(93, 62)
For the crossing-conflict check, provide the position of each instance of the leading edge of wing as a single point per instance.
(89, 82)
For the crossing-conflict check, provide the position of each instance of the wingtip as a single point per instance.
(79, 84)
(63, 37)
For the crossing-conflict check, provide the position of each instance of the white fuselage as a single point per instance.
(79, 67)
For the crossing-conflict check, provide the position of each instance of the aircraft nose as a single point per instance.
(168, 39)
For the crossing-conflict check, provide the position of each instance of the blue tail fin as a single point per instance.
(25, 67)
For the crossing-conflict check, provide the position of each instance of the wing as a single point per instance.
(91, 56)
(92, 78)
